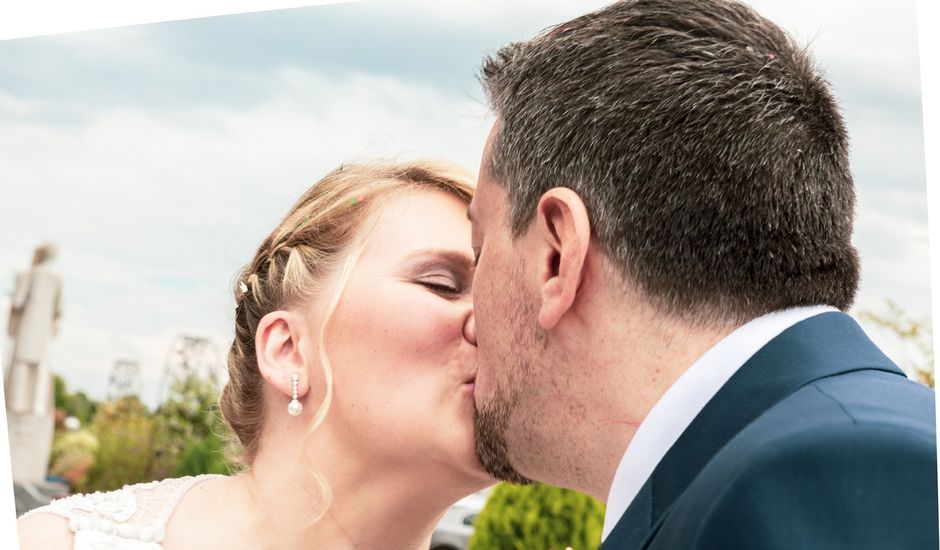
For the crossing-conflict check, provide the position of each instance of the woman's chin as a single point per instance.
(466, 392)
(477, 478)
(463, 452)
(472, 462)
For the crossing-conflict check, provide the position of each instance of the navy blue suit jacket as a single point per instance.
(818, 441)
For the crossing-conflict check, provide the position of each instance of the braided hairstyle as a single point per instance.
(321, 233)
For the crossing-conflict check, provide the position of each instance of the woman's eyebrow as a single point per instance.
(430, 256)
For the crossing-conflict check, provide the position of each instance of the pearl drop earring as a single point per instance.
(294, 408)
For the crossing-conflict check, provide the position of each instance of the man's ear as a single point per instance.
(277, 345)
(563, 237)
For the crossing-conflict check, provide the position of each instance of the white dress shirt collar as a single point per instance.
(686, 398)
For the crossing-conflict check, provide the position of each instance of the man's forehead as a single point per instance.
(486, 161)
(488, 200)
(484, 199)
(473, 209)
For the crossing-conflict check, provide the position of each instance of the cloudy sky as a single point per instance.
(158, 156)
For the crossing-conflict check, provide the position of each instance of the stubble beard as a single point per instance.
(490, 424)
(491, 421)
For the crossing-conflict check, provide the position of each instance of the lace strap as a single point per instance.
(138, 511)
(179, 491)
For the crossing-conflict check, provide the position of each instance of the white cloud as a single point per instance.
(155, 209)
(482, 13)
(154, 215)
(44, 17)
(892, 241)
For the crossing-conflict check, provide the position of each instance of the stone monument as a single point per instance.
(34, 317)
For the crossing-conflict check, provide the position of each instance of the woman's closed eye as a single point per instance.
(442, 285)
(447, 273)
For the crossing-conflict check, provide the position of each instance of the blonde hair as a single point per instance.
(317, 236)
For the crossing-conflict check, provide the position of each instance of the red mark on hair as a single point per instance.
(771, 56)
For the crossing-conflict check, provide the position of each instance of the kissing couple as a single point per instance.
(641, 297)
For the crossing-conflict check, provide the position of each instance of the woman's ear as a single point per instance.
(563, 239)
(278, 348)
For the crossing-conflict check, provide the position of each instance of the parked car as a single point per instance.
(454, 530)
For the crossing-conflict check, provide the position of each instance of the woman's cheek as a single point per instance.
(413, 325)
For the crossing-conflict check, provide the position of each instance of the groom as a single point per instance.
(663, 229)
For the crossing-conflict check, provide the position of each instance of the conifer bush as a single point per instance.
(538, 517)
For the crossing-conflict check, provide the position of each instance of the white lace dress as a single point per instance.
(131, 518)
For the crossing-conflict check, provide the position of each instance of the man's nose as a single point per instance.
(470, 329)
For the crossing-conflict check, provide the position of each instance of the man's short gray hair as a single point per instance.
(708, 149)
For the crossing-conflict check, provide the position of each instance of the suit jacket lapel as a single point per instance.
(821, 346)
(634, 525)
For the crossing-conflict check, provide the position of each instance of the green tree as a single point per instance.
(191, 436)
(204, 456)
(539, 517)
(124, 429)
(184, 436)
(914, 335)
(73, 453)
(76, 404)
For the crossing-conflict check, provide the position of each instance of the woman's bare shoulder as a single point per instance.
(44, 531)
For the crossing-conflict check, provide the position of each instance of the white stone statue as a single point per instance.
(34, 316)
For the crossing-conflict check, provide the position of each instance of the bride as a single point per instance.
(350, 384)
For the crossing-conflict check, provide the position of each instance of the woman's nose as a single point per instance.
(470, 329)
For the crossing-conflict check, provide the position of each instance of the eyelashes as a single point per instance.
(443, 289)
(448, 290)
(450, 277)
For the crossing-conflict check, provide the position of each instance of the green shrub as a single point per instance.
(203, 456)
(124, 429)
(184, 436)
(538, 517)
(73, 404)
(73, 453)
(190, 435)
